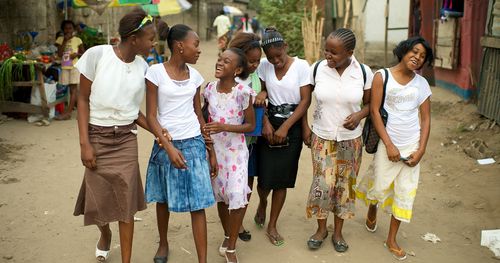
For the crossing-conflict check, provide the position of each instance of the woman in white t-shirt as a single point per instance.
(341, 86)
(402, 141)
(286, 82)
(178, 176)
(111, 91)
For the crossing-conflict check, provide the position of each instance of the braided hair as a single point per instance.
(346, 36)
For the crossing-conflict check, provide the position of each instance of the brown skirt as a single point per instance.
(113, 191)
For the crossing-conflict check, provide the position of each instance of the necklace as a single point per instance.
(127, 66)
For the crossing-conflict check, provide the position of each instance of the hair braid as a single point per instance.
(346, 36)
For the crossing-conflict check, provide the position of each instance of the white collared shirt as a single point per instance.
(337, 97)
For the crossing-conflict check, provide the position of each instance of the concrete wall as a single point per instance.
(374, 28)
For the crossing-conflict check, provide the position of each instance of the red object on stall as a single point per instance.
(5, 52)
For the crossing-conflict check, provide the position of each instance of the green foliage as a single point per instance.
(91, 38)
(286, 16)
(11, 69)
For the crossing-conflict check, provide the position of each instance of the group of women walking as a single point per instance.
(253, 123)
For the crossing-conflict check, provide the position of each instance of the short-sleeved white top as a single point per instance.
(286, 90)
(337, 97)
(175, 101)
(402, 104)
(117, 87)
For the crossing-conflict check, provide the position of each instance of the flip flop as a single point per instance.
(315, 244)
(276, 240)
(340, 245)
(259, 221)
(374, 222)
(245, 235)
(398, 254)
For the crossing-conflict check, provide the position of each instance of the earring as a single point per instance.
(235, 74)
(182, 51)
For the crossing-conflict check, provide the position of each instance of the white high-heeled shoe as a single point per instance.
(222, 250)
(231, 252)
(101, 255)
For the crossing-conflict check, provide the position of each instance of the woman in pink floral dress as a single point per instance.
(231, 114)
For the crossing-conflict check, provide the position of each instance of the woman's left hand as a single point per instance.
(414, 158)
(352, 121)
(213, 127)
(214, 166)
(280, 136)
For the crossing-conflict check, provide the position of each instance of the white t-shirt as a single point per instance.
(223, 24)
(286, 90)
(175, 101)
(402, 105)
(338, 97)
(117, 87)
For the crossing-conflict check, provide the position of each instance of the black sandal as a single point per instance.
(245, 235)
(160, 259)
(315, 244)
(340, 246)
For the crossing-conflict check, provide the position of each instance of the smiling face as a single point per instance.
(227, 65)
(335, 53)
(190, 47)
(145, 41)
(414, 59)
(253, 56)
(277, 56)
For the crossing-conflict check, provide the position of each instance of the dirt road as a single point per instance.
(41, 172)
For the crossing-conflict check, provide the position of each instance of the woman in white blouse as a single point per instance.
(286, 81)
(342, 92)
(111, 90)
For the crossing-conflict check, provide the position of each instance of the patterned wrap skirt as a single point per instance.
(335, 168)
(113, 191)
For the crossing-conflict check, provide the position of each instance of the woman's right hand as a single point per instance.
(175, 156)
(307, 136)
(268, 131)
(260, 99)
(393, 153)
(88, 156)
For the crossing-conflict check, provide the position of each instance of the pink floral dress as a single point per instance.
(231, 184)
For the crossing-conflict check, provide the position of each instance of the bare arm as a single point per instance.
(352, 121)
(87, 151)
(425, 128)
(248, 126)
(375, 102)
(141, 121)
(174, 154)
(305, 102)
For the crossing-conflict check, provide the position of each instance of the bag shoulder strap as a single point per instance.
(363, 70)
(384, 87)
(315, 70)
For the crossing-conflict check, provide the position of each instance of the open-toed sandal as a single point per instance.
(231, 252)
(276, 240)
(398, 254)
(101, 255)
(245, 235)
(372, 223)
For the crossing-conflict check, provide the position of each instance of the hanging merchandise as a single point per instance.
(451, 8)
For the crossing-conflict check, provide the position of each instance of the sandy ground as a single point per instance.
(41, 172)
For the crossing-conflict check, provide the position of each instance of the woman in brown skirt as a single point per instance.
(111, 89)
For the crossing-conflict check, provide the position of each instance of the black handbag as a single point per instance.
(370, 135)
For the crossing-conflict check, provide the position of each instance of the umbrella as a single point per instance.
(100, 5)
(232, 10)
(167, 7)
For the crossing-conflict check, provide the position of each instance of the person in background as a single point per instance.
(69, 49)
(223, 25)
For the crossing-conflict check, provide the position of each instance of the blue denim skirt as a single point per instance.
(183, 190)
